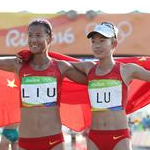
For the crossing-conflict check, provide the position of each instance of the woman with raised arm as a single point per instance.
(108, 86)
(40, 83)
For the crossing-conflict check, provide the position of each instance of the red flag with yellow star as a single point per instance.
(74, 98)
(9, 99)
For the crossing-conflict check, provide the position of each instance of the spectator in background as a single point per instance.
(9, 137)
(130, 123)
(146, 122)
(73, 138)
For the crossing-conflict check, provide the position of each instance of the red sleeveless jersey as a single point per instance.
(51, 71)
(113, 74)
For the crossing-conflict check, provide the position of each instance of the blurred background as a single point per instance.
(71, 21)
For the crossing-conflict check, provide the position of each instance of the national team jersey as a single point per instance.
(40, 88)
(107, 92)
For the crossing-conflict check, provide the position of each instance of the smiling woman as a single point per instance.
(40, 86)
(108, 88)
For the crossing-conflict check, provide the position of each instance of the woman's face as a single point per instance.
(102, 47)
(38, 39)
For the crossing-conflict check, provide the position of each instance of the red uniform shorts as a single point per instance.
(41, 143)
(107, 140)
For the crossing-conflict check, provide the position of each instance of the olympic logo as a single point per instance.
(125, 30)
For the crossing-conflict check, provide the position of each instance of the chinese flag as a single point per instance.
(74, 106)
(9, 99)
(139, 91)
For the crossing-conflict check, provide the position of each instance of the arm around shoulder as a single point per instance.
(67, 70)
(83, 66)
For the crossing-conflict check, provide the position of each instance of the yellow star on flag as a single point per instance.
(11, 83)
(142, 58)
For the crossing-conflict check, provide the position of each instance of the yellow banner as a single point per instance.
(70, 34)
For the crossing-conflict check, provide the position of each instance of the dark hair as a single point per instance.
(44, 22)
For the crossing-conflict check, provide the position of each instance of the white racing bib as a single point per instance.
(38, 90)
(105, 93)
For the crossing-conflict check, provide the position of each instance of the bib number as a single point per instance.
(105, 93)
(38, 90)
